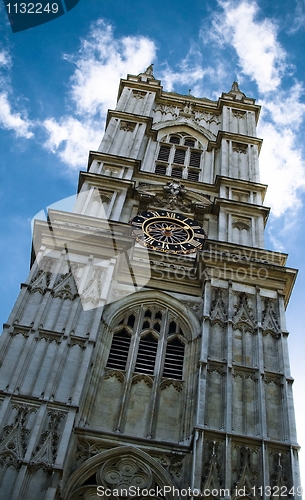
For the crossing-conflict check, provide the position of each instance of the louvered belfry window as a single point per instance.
(173, 363)
(164, 153)
(146, 357)
(160, 169)
(179, 156)
(177, 172)
(118, 354)
(195, 159)
(151, 332)
(179, 150)
(193, 176)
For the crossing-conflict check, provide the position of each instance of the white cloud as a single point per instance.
(260, 55)
(13, 121)
(101, 61)
(298, 18)
(286, 106)
(282, 168)
(189, 72)
(9, 119)
(72, 139)
(5, 60)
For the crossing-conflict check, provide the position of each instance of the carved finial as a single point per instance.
(235, 90)
(150, 70)
(235, 87)
(148, 74)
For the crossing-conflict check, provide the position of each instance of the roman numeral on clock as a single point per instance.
(195, 243)
(150, 241)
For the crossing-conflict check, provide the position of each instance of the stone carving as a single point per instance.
(101, 195)
(149, 70)
(174, 189)
(274, 379)
(207, 117)
(278, 478)
(46, 263)
(21, 330)
(74, 340)
(86, 450)
(211, 479)
(187, 110)
(236, 92)
(13, 442)
(121, 474)
(218, 309)
(241, 223)
(246, 475)
(49, 336)
(141, 376)
(177, 384)
(92, 291)
(65, 287)
(145, 200)
(173, 192)
(244, 374)
(138, 94)
(77, 270)
(173, 196)
(216, 367)
(238, 113)
(114, 373)
(112, 171)
(40, 282)
(164, 109)
(241, 196)
(194, 306)
(239, 147)
(243, 318)
(173, 464)
(45, 452)
(269, 322)
(127, 126)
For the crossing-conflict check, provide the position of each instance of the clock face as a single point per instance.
(168, 232)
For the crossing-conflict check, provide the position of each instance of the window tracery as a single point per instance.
(144, 335)
(179, 156)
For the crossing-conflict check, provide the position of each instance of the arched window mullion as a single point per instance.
(119, 350)
(174, 358)
(146, 355)
(135, 340)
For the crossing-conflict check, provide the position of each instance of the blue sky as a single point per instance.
(59, 79)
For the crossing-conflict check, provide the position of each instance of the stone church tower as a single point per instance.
(148, 348)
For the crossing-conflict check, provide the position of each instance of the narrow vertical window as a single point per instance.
(173, 363)
(160, 169)
(195, 159)
(146, 355)
(177, 172)
(164, 153)
(174, 139)
(179, 156)
(118, 354)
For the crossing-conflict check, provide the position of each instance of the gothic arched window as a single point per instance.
(179, 156)
(148, 341)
